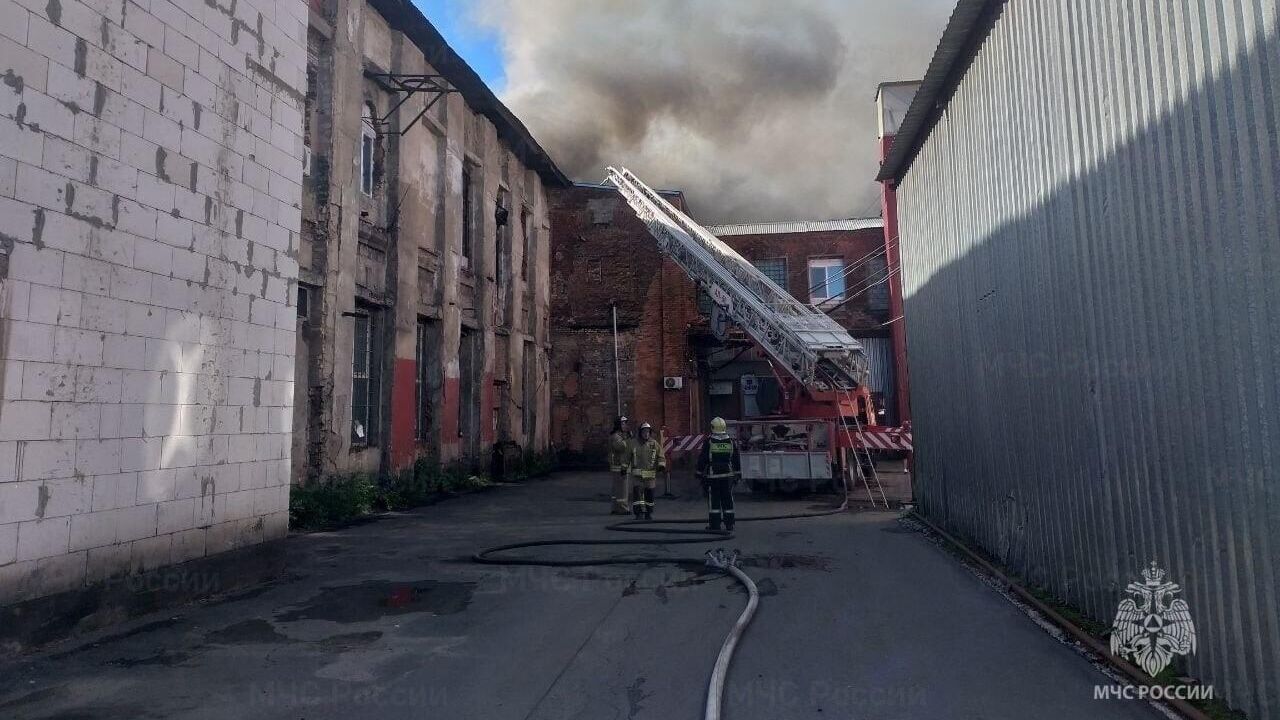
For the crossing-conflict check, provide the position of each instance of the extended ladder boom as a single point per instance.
(812, 346)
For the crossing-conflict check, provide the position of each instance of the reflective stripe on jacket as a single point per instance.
(647, 458)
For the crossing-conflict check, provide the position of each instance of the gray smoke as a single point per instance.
(757, 109)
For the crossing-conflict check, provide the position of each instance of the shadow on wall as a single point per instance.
(1095, 380)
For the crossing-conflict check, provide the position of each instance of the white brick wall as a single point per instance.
(140, 421)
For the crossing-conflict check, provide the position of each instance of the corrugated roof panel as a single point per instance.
(796, 226)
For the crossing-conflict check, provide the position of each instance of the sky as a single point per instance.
(478, 44)
(758, 110)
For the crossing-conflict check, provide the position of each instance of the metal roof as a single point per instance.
(968, 26)
(405, 17)
(796, 226)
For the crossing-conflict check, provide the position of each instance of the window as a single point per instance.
(422, 398)
(304, 302)
(502, 247)
(526, 238)
(366, 379)
(368, 143)
(775, 269)
(467, 401)
(467, 211)
(878, 293)
(529, 381)
(826, 280)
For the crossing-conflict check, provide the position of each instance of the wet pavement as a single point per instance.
(861, 617)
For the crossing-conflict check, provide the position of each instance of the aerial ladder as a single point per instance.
(827, 365)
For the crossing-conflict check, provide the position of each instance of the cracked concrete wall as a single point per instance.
(149, 203)
(411, 233)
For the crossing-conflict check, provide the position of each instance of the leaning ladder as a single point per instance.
(812, 346)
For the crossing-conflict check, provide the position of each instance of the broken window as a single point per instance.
(366, 378)
(826, 280)
(368, 144)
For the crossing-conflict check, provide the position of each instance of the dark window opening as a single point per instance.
(304, 302)
(526, 239)
(422, 386)
(366, 378)
(502, 248)
(467, 211)
(529, 380)
(878, 291)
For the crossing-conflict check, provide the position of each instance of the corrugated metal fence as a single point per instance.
(1091, 244)
(880, 378)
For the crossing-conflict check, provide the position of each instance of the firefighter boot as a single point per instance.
(637, 504)
(648, 503)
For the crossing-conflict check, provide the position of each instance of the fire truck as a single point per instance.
(825, 433)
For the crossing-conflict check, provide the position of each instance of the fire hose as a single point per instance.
(719, 559)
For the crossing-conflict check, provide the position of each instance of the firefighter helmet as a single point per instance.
(718, 425)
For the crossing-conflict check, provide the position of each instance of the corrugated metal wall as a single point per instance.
(1091, 244)
(880, 378)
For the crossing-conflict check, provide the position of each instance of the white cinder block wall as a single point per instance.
(150, 170)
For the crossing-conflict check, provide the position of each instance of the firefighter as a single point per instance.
(647, 459)
(719, 467)
(619, 452)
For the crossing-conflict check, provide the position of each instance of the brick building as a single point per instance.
(604, 261)
(672, 371)
(150, 167)
(424, 298)
(837, 265)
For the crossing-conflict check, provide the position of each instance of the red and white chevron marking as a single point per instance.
(886, 438)
(897, 438)
(683, 443)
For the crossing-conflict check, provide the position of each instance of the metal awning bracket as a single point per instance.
(406, 85)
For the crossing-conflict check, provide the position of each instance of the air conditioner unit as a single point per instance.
(673, 383)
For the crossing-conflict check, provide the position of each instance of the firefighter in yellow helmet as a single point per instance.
(719, 466)
(647, 459)
(619, 461)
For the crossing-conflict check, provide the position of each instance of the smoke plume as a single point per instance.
(757, 109)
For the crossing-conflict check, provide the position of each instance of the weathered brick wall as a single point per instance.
(799, 248)
(149, 210)
(602, 256)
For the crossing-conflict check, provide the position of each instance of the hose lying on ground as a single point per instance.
(719, 559)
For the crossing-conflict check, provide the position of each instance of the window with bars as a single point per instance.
(877, 293)
(775, 269)
(366, 379)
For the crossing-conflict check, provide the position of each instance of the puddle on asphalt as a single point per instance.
(378, 598)
(255, 631)
(164, 658)
(785, 561)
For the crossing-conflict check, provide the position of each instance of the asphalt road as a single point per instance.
(861, 618)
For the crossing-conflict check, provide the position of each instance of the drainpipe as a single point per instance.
(617, 377)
